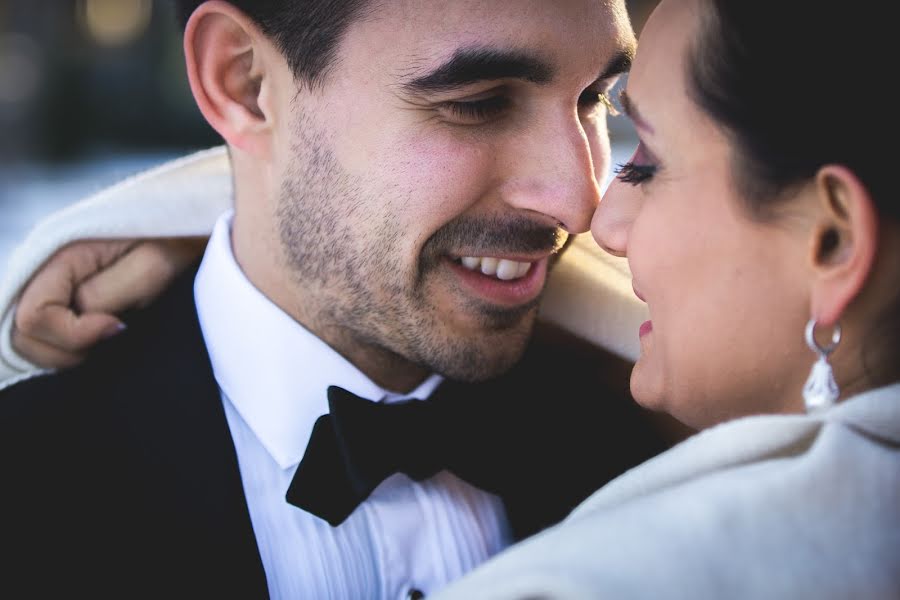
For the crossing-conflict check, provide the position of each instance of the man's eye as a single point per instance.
(591, 98)
(474, 112)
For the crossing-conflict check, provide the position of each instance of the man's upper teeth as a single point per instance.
(499, 267)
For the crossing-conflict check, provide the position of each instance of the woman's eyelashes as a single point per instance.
(640, 169)
(635, 174)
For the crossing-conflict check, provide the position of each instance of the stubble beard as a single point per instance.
(361, 293)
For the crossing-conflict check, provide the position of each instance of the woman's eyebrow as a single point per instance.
(631, 109)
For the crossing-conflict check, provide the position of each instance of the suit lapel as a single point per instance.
(187, 477)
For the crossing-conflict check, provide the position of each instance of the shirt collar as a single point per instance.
(273, 370)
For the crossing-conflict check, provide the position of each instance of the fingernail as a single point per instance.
(115, 329)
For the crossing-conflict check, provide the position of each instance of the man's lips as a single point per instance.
(509, 281)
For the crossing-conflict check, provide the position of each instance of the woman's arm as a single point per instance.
(61, 292)
(66, 292)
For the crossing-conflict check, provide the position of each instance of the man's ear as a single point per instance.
(843, 242)
(229, 62)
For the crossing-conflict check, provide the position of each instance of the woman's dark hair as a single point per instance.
(307, 32)
(798, 84)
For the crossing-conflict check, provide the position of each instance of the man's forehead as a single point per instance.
(537, 37)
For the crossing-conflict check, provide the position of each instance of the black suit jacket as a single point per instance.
(121, 479)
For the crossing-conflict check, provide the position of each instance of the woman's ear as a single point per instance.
(843, 242)
(229, 62)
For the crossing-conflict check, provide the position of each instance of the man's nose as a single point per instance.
(613, 218)
(552, 173)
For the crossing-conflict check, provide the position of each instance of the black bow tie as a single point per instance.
(361, 443)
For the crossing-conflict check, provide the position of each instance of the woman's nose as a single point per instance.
(614, 216)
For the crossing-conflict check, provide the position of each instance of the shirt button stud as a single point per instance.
(414, 594)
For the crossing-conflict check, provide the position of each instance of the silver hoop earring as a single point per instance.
(821, 390)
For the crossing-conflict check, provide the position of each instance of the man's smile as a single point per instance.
(507, 282)
(501, 268)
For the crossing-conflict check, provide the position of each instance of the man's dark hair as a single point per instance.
(307, 32)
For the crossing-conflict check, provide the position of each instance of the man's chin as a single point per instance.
(481, 371)
(501, 323)
(491, 357)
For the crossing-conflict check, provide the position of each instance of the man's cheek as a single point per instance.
(445, 177)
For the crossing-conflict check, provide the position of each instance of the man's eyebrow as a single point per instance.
(471, 65)
(632, 111)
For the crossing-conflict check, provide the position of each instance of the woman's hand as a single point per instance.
(72, 301)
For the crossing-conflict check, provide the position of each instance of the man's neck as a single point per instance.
(263, 263)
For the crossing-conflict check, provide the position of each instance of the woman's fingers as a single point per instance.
(72, 301)
(137, 277)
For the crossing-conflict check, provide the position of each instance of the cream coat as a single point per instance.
(767, 507)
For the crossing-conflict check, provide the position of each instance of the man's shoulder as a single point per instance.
(130, 449)
(80, 388)
(119, 370)
(33, 408)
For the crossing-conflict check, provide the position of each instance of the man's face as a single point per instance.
(427, 185)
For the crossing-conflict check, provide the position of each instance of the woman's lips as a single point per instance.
(646, 327)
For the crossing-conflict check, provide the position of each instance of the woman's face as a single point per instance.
(726, 293)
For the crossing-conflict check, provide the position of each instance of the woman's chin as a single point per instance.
(646, 386)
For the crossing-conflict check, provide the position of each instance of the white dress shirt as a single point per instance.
(273, 375)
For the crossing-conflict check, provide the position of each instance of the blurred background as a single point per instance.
(92, 91)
